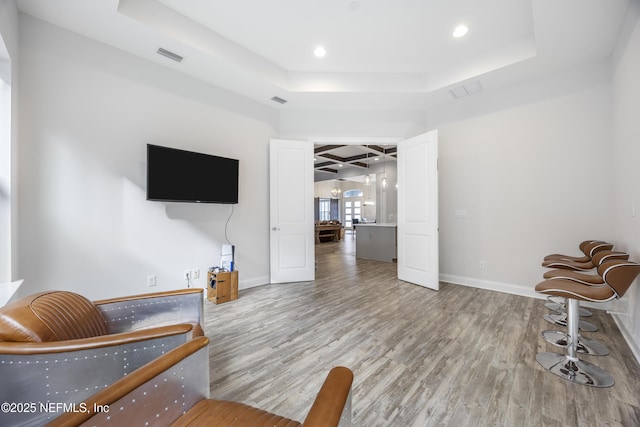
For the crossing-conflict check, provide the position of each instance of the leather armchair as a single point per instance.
(59, 347)
(173, 390)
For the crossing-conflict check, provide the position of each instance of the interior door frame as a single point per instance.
(359, 140)
(378, 141)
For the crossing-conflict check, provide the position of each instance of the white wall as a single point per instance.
(305, 124)
(626, 148)
(87, 112)
(531, 180)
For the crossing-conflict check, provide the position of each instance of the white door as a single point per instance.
(292, 239)
(418, 210)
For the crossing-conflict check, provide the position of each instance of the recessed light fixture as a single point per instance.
(320, 52)
(460, 31)
(354, 5)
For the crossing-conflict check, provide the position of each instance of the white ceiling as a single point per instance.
(381, 54)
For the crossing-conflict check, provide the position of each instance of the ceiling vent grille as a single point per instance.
(468, 89)
(279, 100)
(169, 54)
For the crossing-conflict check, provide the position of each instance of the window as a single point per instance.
(5, 172)
(353, 193)
(352, 210)
(325, 210)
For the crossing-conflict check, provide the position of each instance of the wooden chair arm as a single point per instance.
(93, 342)
(332, 406)
(170, 293)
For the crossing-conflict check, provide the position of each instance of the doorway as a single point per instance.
(417, 222)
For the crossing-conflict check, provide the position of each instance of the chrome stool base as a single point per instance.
(560, 308)
(561, 320)
(584, 346)
(575, 370)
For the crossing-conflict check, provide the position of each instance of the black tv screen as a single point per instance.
(184, 176)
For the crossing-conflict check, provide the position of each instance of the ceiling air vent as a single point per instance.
(169, 54)
(468, 89)
(279, 100)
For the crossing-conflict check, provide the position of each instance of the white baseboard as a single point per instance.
(628, 337)
(491, 286)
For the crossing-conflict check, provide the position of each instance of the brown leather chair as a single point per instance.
(173, 390)
(617, 275)
(58, 346)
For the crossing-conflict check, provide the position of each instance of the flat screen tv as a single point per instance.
(184, 176)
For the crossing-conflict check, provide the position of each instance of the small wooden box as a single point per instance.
(222, 286)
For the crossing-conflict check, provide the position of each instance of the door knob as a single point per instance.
(275, 228)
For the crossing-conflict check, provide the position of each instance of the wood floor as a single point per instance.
(460, 356)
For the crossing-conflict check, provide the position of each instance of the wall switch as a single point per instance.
(195, 273)
(151, 281)
(460, 213)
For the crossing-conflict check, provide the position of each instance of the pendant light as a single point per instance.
(335, 191)
(384, 169)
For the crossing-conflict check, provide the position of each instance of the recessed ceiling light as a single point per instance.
(320, 52)
(460, 31)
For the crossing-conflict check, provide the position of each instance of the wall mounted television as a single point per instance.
(175, 175)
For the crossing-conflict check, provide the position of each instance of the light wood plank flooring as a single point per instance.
(459, 356)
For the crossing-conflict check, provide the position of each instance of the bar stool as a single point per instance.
(557, 304)
(618, 275)
(583, 248)
(584, 266)
(588, 248)
(558, 338)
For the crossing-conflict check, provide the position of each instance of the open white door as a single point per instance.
(418, 210)
(292, 247)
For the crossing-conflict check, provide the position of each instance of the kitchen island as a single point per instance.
(376, 241)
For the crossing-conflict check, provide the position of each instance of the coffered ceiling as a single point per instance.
(332, 160)
(380, 54)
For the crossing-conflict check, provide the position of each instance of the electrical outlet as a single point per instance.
(482, 265)
(151, 281)
(195, 273)
(187, 275)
